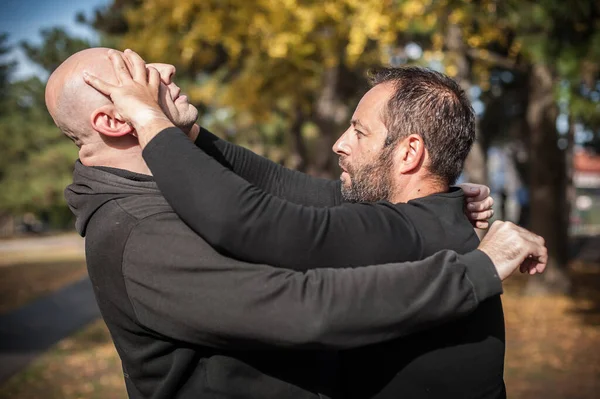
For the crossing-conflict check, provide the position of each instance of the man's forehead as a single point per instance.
(369, 110)
(379, 94)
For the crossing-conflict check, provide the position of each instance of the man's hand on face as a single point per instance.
(479, 203)
(135, 96)
(510, 247)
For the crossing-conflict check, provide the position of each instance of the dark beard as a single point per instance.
(371, 182)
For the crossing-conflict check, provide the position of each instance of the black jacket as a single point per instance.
(189, 322)
(464, 359)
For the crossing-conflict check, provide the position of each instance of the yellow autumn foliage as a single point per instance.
(277, 52)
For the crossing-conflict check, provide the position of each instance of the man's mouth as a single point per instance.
(342, 167)
(175, 95)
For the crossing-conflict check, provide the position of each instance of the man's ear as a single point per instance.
(410, 154)
(107, 121)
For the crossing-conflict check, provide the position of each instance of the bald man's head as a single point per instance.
(70, 100)
(87, 116)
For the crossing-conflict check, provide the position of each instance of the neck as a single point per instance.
(129, 159)
(409, 187)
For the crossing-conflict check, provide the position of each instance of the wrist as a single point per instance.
(148, 124)
(483, 274)
(194, 132)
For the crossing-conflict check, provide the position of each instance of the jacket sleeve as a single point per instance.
(237, 218)
(179, 287)
(269, 176)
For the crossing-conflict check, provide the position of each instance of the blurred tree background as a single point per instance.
(35, 161)
(282, 78)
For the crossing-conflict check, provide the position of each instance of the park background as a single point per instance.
(282, 78)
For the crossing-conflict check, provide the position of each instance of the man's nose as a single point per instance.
(166, 71)
(341, 146)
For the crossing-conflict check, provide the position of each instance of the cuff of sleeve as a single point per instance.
(160, 141)
(213, 146)
(482, 274)
(205, 138)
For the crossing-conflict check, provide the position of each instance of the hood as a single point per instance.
(93, 187)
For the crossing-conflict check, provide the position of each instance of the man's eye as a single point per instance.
(359, 134)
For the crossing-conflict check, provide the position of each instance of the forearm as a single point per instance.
(385, 302)
(269, 176)
(238, 218)
(256, 306)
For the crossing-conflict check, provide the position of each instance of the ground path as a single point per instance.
(30, 330)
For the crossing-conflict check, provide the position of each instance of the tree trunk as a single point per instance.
(570, 192)
(329, 115)
(476, 163)
(475, 168)
(8, 226)
(547, 183)
(299, 154)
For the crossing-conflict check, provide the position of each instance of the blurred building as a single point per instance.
(585, 213)
(511, 196)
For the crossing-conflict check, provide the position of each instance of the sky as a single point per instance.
(23, 20)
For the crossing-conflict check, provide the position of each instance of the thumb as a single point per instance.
(470, 190)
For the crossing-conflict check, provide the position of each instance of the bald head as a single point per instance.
(70, 100)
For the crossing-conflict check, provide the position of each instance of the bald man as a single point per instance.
(188, 321)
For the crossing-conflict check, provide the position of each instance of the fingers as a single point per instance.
(511, 247)
(535, 267)
(542, 260)
(138, 65)
(483, 205)
(485, 215)
(485, 191)
(470, 190)
(527, 264)
(482, 224)
(154, 80)
(475, 192)
(537, 258)
(98, 84)
(541, 266)
(121, 71)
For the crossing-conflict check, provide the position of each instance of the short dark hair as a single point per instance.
(432, 105)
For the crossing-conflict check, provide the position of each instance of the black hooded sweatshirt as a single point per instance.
(189, 322)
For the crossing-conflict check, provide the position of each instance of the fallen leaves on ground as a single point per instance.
(84, 365)
(553, 342)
